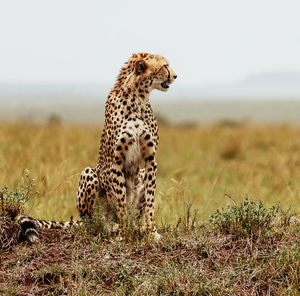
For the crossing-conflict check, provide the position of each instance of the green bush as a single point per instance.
(12, 202)
(247, 219)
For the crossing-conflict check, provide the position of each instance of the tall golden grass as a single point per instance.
(197, 166)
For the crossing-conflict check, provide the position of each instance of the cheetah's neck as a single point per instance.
(134, 99)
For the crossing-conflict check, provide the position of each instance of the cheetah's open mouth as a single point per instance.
(165, 84)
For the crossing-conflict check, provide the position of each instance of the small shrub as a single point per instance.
(54, 120)
(231, 123)
(12, 202)
(231, 150)
(12, 205)
(248, 219)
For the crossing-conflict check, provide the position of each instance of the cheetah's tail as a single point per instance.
(29, 226)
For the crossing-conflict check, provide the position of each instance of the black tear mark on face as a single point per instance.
(169, 76)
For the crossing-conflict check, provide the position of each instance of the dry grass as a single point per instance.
(246, 249)
(197, 165)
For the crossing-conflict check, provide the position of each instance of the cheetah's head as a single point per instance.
(153, 70)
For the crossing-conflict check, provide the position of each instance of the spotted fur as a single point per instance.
(129, 139)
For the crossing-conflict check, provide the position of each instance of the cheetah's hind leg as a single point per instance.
(88, 192)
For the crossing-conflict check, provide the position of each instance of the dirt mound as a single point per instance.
(9, 233)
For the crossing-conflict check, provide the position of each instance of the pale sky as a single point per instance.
(206, 42)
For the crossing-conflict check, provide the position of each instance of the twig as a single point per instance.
(230, 197)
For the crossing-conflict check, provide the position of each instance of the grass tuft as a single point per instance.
(247, 219)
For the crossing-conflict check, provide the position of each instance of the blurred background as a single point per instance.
(236, 60)
(229, 125)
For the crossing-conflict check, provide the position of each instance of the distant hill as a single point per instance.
(267, 85)
(273, 79)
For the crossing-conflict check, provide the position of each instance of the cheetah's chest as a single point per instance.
(133, 153)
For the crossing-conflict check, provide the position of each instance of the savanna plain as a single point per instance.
(227, 207)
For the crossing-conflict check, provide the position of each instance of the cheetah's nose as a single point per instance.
(175, 76)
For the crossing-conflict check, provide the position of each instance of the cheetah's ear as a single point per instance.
(140, 66)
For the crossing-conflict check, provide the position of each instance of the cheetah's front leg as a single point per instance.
(118, 178)
(148, 148)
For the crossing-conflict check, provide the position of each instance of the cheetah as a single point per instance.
(129, 141)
